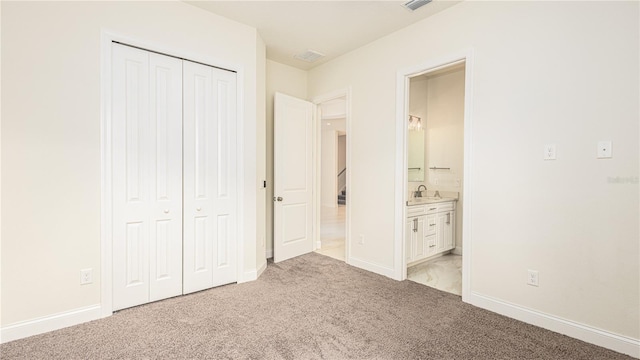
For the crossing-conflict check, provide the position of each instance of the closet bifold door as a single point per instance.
(210, 176)
(147, 176)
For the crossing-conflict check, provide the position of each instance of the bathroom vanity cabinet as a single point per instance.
(430, 230)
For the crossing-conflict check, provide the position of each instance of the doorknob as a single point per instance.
(279, 198)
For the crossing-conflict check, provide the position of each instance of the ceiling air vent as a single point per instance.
(309, 56)
(415, 4)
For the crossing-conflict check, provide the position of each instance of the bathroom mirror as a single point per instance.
(415, 154)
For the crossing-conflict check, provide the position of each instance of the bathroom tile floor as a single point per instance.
(332, 232)
(443, 273)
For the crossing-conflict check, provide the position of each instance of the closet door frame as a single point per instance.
(106, 186)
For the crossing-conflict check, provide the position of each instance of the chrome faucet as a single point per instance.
(418, 193)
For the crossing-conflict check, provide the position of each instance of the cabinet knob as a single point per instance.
(166, 211)
(198, 209)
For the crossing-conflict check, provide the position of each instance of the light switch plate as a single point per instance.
(549, 152)
(604, 149)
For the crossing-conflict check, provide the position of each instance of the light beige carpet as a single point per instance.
(310, 307)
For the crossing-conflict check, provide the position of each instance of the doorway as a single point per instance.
(332, 180)
(435, 166)
(435, 246)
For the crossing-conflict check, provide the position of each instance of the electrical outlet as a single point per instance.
(86, 276)
(361, 239)
(549, 152)
(532, 277)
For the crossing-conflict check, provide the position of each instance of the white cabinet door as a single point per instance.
(448, 229)
(419, 241)
(444, 231)
(146, 154)
(292, 206)
(210, 200)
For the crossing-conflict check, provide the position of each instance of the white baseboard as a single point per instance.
(457, 250)
(378, 269)
(48, 323)
(248, 275)
(269, 253)
(579, 331)
(262, 269)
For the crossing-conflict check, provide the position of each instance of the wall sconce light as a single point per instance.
(415, 123)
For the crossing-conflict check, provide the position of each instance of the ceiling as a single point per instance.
(332, 28)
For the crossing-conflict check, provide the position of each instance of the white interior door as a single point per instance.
(293, 171)
(210, 188)
(147, 176)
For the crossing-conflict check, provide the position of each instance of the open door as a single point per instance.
(293, 177)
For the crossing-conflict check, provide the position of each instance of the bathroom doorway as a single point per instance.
(333, 175)
(434, 101)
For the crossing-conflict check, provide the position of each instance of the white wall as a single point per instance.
(543, 72)
(0, 171)
(287, 80)
(51, 137)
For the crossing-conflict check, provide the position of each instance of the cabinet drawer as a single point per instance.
(430, 226)
(434, 208)
(416, 210)
(430, 242)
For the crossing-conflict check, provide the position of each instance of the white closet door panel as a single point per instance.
(166, 176)
(209, 102)
(199, 168)
(225, 270)
(130, 156)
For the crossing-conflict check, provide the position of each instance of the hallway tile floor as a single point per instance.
(332, 232)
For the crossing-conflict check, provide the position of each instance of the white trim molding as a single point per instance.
(261, 269)
(48, 323)
(369, 266)
(576, 330)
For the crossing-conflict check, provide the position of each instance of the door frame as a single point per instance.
(401, 188)
(107, 37)
(317, 153)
